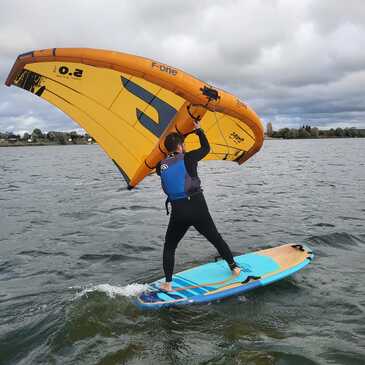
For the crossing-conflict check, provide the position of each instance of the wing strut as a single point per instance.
(182, 123)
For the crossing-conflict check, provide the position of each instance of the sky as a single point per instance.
(294, 62)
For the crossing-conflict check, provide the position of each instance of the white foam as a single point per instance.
(130, 290)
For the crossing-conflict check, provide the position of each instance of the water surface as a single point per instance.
(72, 238)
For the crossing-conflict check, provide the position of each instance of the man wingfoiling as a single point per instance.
(180, 182)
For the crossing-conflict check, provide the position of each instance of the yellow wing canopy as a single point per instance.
(128, 104)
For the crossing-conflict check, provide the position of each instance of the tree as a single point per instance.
(293, 133)
(303, 133)
(350, 132)
(331, 133)
(339, 132)
(51, 136)
(37, 134)
(281, 133)
(314, 132)
(26, 136)
(73, 136)
(60, 137)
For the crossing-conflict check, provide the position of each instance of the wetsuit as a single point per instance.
(192, 211)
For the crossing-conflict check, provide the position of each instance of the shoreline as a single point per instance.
(88, 144)
(43, 144)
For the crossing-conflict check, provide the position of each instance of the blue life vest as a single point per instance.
(175, 180)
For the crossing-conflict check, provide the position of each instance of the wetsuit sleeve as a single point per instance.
(158, 169)
(200, 153)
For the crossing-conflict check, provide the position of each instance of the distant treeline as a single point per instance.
(307, 131)
(38, 137)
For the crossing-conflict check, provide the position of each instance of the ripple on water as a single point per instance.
(37, 253)
(336, 356)
(323, 224)
(240, 355)
(107, 257)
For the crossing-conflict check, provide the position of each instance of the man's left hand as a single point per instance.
(196, 124)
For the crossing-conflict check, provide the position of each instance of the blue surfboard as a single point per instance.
(215, 281)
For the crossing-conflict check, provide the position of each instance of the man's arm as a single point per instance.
(158, 169)
(200, 153)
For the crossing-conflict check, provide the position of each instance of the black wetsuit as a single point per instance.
(192, 211)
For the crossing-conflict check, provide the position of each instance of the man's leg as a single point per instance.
(175, 232)
(205, 226)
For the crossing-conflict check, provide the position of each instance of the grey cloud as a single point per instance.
(329, 15)
(289, 60)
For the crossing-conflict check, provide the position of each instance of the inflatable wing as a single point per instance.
(128, 104)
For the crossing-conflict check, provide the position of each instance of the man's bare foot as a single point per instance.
(236, 271)
(166, 286)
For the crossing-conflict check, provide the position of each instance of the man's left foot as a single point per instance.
(236, 271)
(166, 286)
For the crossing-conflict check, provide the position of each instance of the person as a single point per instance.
(180, 182)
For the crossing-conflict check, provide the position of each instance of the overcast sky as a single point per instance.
(294, 62)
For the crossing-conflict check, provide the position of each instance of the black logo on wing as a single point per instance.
(30, 81)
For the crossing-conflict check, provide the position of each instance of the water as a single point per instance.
(72, 239)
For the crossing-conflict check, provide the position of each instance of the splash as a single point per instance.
(130, 290)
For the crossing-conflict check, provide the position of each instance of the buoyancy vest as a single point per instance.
(175, 180)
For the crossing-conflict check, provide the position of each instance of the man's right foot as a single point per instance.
(236, 271)
(166, 286)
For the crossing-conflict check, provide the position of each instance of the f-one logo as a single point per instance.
(164, 68)
(164, 167)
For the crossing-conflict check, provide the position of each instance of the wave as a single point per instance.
(340, 240)
(130, 290)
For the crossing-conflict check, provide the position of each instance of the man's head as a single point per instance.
(174, 142)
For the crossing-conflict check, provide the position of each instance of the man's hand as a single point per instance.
(196, 124)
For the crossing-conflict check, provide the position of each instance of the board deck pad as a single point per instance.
(214, 280)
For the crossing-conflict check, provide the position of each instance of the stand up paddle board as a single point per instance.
(215, 281)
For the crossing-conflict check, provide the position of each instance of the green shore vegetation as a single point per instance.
(306, 131)
(38, 138)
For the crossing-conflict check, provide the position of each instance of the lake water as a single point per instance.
(72, 238)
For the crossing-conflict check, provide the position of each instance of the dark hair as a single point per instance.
(172, 140)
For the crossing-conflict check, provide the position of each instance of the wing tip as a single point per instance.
(126, 177)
